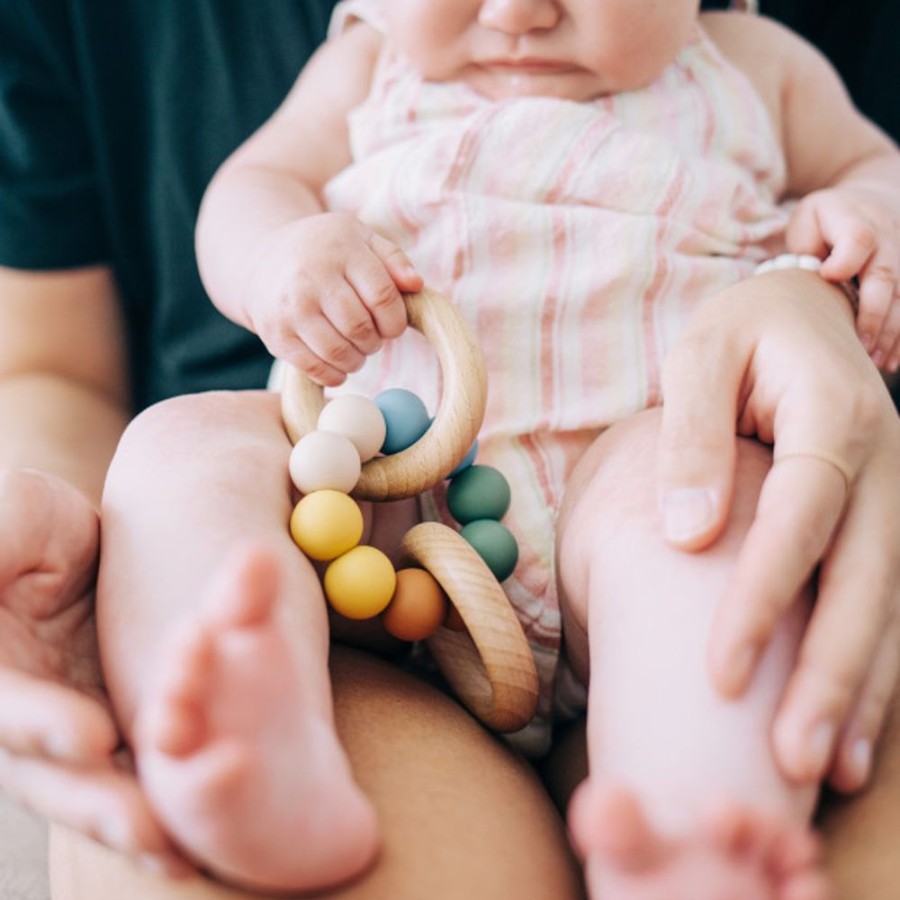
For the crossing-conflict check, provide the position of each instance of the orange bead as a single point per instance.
(418, 607)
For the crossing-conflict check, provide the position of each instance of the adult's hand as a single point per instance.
(58, 739)
(776, 357)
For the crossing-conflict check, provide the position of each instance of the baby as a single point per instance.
(578, 176)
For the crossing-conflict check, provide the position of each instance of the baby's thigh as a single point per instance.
(610, 531)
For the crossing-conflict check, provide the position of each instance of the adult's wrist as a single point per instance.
(809, 263)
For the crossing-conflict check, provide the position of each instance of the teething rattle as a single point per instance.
(487, 661)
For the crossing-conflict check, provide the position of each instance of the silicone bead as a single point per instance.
(494, 544)
(360, 584)
(357, 418)
(405, 417)
(321, 460)
(418, 607)
(326, 524)
(478, 492)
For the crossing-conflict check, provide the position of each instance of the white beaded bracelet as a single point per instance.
(810, 264)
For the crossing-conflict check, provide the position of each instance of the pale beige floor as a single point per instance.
(23, 855)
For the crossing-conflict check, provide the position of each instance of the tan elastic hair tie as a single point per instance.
(831, 458)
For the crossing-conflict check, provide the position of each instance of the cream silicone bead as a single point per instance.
(357, 418)
(322, 460)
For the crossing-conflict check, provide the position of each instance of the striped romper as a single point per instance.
(576, 238)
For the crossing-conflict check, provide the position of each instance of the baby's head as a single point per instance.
(576, 49)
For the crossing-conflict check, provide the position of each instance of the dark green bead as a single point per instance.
(478, 492)
(494, 543)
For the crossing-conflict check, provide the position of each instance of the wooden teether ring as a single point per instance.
(490, 666)
(456, 423)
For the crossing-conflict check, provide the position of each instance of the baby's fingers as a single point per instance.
(380, 285)
(878, 322)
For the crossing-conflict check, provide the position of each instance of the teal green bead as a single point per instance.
(494, 543)
(478, 492)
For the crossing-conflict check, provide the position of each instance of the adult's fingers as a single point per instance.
(701, 386)
(101, 802)
(43, 718)
(798, 508)
(852, 763)
(855, 607)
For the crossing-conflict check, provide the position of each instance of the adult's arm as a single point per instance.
(776, 356)
(64, 403)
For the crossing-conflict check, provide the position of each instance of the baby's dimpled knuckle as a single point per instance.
(361, 332)
(320, 372)
(384, 297)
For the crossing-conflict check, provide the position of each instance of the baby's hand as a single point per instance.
(326, 293)
(857, 235)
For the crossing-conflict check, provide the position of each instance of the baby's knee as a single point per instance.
(200, 428)
(611, 511)
(613, 484)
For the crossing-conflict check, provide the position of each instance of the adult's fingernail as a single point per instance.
(687, 512)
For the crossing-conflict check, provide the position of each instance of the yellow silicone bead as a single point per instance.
(360, 584)
(326, 524)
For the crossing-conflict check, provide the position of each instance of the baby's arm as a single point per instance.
(846, 171)
(848, 174)
(319, 288)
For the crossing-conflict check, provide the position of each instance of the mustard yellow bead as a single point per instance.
(360, 584)
(326, 524)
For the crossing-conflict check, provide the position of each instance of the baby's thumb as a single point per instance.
(398, 264)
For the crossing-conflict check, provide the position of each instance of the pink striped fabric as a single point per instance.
(576, 238)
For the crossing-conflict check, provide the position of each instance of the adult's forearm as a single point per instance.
(59, 426)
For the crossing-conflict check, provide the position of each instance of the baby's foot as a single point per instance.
(733, 854)
(250, 781)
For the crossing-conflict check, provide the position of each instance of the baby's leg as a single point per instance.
(214, 640)
(683, 799)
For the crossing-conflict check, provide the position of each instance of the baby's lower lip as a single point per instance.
(528, 65)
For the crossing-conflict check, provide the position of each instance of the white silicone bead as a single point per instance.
(357, 418)
(323, 460)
